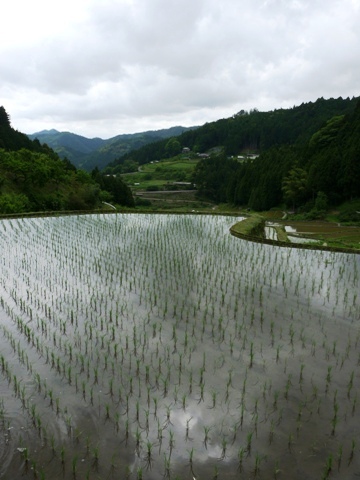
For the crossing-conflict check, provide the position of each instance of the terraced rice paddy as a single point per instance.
(159, 346)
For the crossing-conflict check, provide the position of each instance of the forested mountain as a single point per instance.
(247, 131)
(34, 178)
(11, 139)
(89, 153)
(323, 168)
(67, 143)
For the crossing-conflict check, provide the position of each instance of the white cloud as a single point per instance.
(101, 69)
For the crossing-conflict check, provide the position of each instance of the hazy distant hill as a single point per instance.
(58, 140)
(88, 153)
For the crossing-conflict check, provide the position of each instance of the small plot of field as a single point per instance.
(325, 233)
(161, 174)
(170, 166)
(144, 347)
(144, 184)
(315, 232)
(184, 200)
(166, 185)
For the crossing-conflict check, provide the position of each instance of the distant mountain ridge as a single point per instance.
(88, 153)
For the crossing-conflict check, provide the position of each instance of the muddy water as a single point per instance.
(324, 229)
(162, 347)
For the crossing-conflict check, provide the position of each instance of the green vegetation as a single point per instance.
(304, 159)
(251, 226)
(164, 173)
(34, 178)
(166, 185)
(307, 178)
(348, 212)
(247, 132)
(89, 153)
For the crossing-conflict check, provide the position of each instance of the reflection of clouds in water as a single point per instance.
(188, 418)
(213, 451)
(196, 418)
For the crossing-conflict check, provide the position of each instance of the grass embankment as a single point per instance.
(281, 234)
(251, 228)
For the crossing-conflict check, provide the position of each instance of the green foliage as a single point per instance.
(212, 175)
(294, 186)
(118, 192)
(303, 151)
(349, 212)
(142, 202)
(251, 226)
(172, 147)
(328, 133)
(129, 166)
(13, 203)
(34, 178)
(254, 131)
(321, 202)
(315, 210)
(152, 188)
(34, 181)
(11, 139)
(329, 162)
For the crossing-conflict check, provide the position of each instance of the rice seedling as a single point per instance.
(149, 454)
(74, 465)
(352, 452)
(167, 466)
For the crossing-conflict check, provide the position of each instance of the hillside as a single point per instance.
(246, 132)
(307, 157)
(306, 176)
(88, 153)
(34, 178)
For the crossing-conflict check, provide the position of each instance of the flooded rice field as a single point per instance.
(160, 346)
(313, 231)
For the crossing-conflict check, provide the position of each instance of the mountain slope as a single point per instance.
(88, 153)
(34, 178)
(326, 166)
(250, 131)
(57, 140)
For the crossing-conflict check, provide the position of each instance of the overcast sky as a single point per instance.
(100, 68)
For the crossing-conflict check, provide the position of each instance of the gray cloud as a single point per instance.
(100, 69)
